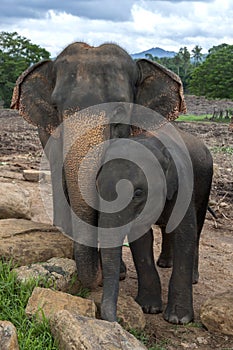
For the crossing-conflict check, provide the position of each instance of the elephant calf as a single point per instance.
(161, 187)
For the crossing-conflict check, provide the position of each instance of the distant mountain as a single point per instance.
(155, 52)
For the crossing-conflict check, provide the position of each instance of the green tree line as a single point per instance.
(208, 75)
(17, 53)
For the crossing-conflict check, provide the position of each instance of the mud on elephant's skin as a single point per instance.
(83, 76)
(180, 247)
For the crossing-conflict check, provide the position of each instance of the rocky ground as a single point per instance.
(20, 149)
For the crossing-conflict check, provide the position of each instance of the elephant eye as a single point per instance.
(137, 193)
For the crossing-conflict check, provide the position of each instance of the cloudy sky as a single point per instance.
(136, 25)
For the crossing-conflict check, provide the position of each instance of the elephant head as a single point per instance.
(82, 76)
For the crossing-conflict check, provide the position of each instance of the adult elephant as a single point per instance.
(156, 171)
(82, 76)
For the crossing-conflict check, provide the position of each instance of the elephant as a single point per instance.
(180, 246)
(49, 92)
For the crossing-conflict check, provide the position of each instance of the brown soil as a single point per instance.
(20, 149)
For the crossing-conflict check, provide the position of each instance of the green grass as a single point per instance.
(161, 345)
(13, 300)
(145, 339)
(222, 149)
(200, 118)
(140, 335)
(194, 118)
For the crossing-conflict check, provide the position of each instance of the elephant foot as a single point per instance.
(150, 304)
(164, 261)
(178, 315)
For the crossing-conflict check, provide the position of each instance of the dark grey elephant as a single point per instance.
(180, 246)
(82, 76)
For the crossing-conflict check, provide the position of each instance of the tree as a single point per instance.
(16, 54)
(197, 55)
(149, 56)
(178, 62)
(216, 48)
(214, 77)
(183, 62)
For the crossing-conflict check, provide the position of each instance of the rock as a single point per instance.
(216, 313)
(47, 302)
(59, 273)
(216, 171)
(129, 312)
(27, 242)
(14, 202)
(202, 340)
(8, 336)
(36, 175)
(73, 331)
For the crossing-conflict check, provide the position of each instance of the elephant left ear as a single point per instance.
(160, 89)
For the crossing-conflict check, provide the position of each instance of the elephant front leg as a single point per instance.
(179, 309)
(149, 287)
(111, 261)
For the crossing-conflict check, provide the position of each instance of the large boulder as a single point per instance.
(57, 273)
(14, 202)
(33, 175)
(129, 312)
(217, 313)
(8, 336)
(26, 242)
(73, 331)
(46, 302)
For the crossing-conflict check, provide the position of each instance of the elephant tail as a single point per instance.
(212, 212)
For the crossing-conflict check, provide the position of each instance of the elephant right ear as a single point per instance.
(160, 89)
(32, 96)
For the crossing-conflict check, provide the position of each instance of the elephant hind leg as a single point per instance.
(165, 259)
(149, 287)
(123, 270)
(200, 222)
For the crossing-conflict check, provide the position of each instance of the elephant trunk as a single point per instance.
(111, 260)
(88, 265)
(80, 172)
(111, 239)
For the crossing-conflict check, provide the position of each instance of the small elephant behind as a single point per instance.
(125, 178)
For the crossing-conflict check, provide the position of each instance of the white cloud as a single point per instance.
(145, 24)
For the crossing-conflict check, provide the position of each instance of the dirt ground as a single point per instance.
(20, 149)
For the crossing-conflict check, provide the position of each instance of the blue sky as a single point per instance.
(136, 25)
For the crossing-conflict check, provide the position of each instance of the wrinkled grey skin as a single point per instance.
(82, 76)
(179, 248)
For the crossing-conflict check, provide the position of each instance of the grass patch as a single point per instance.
(140, 335)
(145, 339)
(161, 345)
(83, 293)
(222, 149)
(201, 118)
(194, 325)
(13, 300)
(194, 118)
